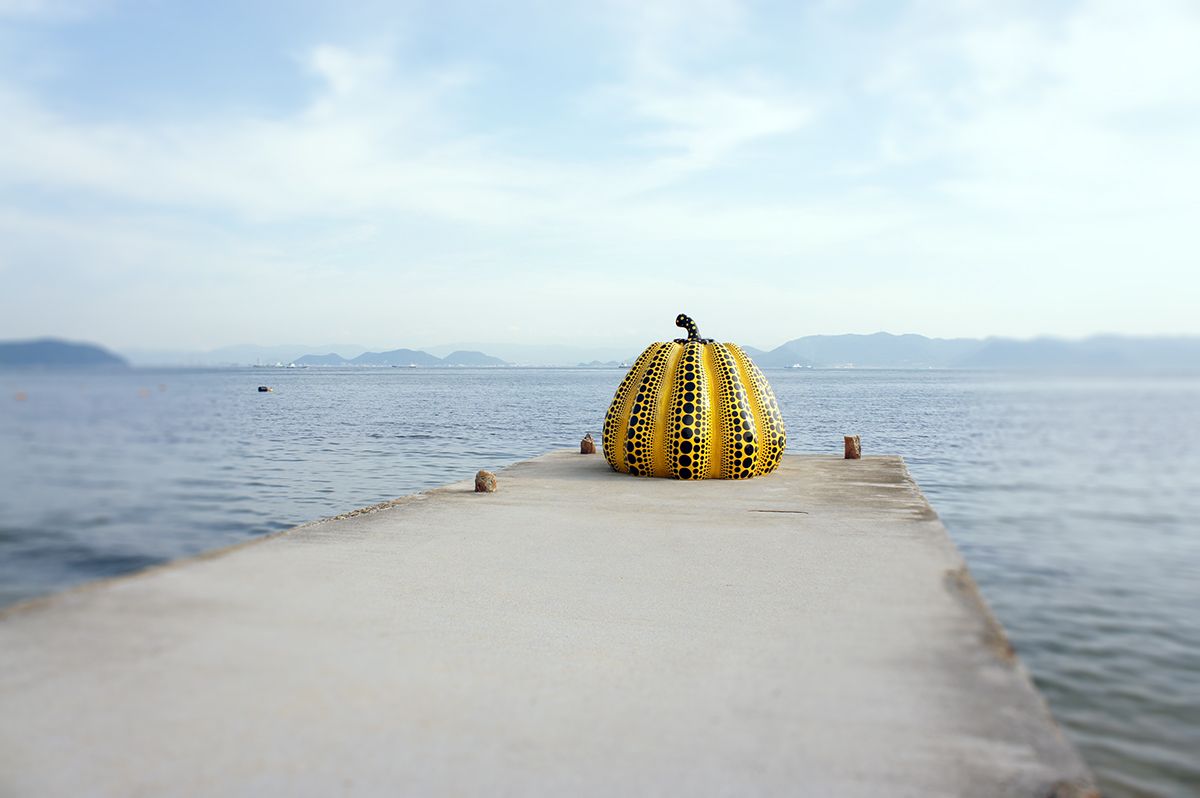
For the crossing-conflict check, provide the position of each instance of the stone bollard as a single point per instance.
(587, 445)
(485, 482)
(853, 447)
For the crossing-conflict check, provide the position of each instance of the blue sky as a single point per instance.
(409, 174)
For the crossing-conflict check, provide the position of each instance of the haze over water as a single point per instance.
(1073, 497)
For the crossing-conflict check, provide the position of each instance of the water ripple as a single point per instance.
(1083, 536)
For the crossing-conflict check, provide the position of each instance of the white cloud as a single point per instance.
(373, 142)
(1063, 159)
(1060, 116)
(701, 107)
(981, 155)
(705, 122)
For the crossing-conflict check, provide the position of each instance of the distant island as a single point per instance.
(53, 353)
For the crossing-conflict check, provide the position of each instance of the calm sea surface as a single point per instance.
(1076, 499)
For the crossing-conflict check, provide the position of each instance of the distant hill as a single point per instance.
(1098, 352)
(397, 357)
(544, 354)
(402, 357)
(51, 353)
(321, 360)
(462, 358)
(884, 350)
(778, 358)
(880, 350)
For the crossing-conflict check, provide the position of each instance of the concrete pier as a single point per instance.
(812, 632)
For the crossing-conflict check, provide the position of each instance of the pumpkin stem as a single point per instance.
(685, 321)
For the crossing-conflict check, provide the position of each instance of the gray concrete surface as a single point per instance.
(812, 632)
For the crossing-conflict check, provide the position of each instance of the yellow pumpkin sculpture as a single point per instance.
(694, 409)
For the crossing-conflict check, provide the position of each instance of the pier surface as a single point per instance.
(812, 632)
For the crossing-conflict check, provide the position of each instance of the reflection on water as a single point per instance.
(1074, 498)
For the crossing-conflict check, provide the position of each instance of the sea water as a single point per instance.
(1074, 497)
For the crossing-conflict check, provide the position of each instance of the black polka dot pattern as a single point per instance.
(616, 422)
(689, 447)
(735, 423)
(771, 438)
(640, 445)
(693, 409)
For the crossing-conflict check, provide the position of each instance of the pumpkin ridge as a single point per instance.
(639, 436)
(766, 420)
(727, 410)
(661, 436)
(739, 431)
(716, 438)
(775, 440)
(617, 419)
(687, 427)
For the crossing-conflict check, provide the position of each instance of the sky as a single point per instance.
(405, 174)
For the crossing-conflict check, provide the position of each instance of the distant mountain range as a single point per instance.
(52, 353)
(341, 354)
(543, 354)
(884, 350)
(881, 350)
(403, 357)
